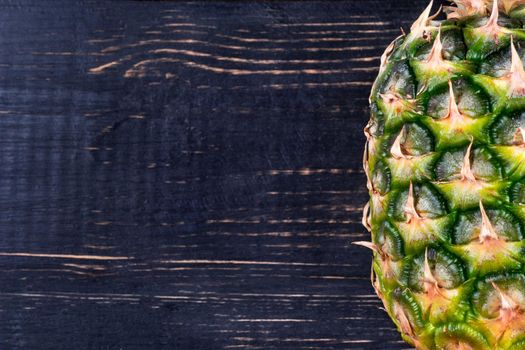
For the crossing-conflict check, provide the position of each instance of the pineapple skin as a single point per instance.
(445, 163)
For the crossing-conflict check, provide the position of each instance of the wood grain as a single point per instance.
(187, 175)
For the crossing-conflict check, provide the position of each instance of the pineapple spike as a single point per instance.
(492, 27)
(431, 285)
(519, 137)
(374, 279)
(397, 104)
(386, 259)
(388, 97)
(506, 302)
(369, 245)
(487, 231)
(508, 311)
(429, 279)
(421, 28)
(494, 14)
(453, 114)
(397, 150)
(393, 101)
(435, 58)
(517, 73)
(466, 169)
(418, 27)
(391, 97)
(410, 207)
(403, 320)
(366, 217)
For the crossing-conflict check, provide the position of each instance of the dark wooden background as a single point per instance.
(187, 175)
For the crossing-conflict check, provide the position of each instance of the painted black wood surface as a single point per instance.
(187, 175)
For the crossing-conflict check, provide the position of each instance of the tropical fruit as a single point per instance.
(445, 162)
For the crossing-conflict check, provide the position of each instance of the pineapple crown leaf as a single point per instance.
(468, 8)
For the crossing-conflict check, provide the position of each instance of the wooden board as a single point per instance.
(187, 175)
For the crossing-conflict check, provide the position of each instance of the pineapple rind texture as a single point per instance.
(445, 163)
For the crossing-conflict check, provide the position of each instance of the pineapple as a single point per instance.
(445, 163)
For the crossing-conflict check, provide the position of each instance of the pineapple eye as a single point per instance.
(503, 21)
(498, 64)
(487, 299)
(416, 140)
(503, 130)
(455, 335)
(376, 123)
(517, 192)
(454, 48)
(406, 311)
(399, 80)
(485, 36)
(483, 165)
(381, 178)
(445, 268)
(471, 101)
(468, 226)
(390, 241)
(428, 203)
